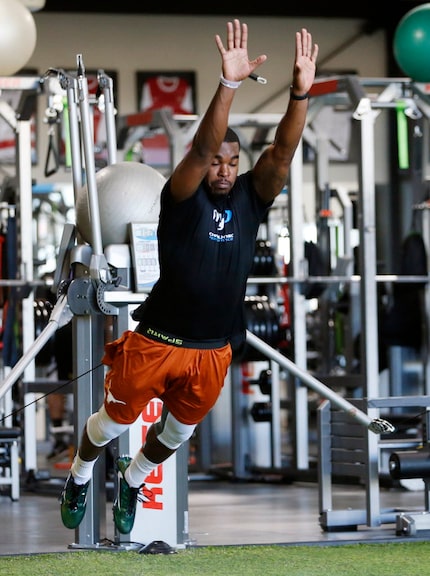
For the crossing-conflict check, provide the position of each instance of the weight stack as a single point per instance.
(263, 320)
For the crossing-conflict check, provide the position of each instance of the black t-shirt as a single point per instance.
(206, 252)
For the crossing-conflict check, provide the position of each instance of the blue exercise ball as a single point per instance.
(412, 43)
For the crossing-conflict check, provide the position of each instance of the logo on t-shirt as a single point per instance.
(221, 219)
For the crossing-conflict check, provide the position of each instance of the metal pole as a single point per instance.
(375, 425)
(298, 309)
(70, 84)
(60, 316)
(88, 143)
(25, 216)
(106, 84)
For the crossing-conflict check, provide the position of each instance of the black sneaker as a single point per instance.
(124, 507)
(73, 502)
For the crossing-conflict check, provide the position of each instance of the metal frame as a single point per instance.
(365, 111)
(10, 441)
(95, 270)
(83, 282)
(20, 121)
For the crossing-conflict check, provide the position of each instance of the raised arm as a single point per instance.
(271, 170)
(236, 66)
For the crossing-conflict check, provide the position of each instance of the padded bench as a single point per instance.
(9, 459)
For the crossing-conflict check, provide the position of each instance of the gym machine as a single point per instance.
(344, 451)
(20, 122)
(90, 291)
(92, 294)
(350, 93)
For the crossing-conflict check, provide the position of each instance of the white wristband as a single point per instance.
(230, 83)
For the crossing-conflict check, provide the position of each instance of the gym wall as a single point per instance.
(134, 43)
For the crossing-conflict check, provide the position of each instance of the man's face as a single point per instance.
(222, 173)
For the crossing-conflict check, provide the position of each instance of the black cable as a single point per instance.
(52, 154)
(18, 410)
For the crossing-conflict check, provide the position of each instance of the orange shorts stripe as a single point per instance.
(186, 380)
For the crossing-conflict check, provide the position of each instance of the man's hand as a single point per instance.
(305, 62)
(236, 65)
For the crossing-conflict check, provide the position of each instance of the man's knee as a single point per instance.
(173, 433)
(101, 429)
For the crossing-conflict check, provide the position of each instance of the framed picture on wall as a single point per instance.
(99, 124)
(174, 90)
(18, 97)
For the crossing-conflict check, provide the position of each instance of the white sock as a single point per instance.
(82, 470)
(138, 470)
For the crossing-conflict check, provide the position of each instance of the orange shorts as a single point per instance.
(186, 380)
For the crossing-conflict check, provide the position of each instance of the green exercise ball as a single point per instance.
(412, 43)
